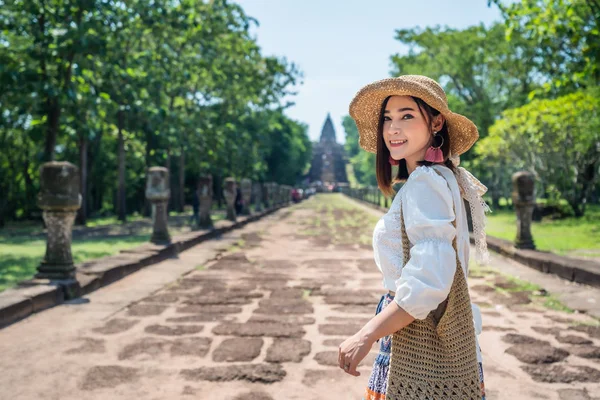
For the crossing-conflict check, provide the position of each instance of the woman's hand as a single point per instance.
(352, 351)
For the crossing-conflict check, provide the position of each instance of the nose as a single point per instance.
(393, 128)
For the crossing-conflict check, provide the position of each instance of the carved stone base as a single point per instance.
(55, 271)
(205, 222)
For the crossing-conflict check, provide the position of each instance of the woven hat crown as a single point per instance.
(365, 109)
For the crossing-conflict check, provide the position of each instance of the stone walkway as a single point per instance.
(263, 321)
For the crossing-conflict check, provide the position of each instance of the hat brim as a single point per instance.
(365, 109)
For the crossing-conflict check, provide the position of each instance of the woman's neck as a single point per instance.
(411, 164)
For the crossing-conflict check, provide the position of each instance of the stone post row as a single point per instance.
(523, 196)
(257, 192)
(266, 187)
(246, 188)
(59, 198)
(205, 196)
(229, 193)
(158, 193)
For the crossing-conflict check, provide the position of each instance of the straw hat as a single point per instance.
(365, 109)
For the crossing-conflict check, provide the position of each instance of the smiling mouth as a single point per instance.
(397, 143)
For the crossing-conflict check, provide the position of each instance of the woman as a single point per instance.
(427, 324)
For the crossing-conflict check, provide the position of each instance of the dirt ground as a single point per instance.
(263, 320)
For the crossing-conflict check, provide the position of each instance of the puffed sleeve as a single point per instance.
(427, 276)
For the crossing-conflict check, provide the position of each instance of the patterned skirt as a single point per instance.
(377, 386)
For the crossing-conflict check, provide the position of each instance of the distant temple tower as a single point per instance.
(329, 157)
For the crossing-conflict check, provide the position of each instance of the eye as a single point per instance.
(386, 118)
(408, 116)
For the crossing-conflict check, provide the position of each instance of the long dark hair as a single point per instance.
(385, 181)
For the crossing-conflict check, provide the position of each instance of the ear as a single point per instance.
(438, 122)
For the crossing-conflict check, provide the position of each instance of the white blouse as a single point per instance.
(425, 280)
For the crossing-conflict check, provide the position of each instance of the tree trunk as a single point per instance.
(83, 171)
(181, 180)
(53, 114)
(168, 167)
(496, 200)
(121, 198)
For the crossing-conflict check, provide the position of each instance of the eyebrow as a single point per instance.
(401, 110)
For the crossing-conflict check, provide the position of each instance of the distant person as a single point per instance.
(426, 324)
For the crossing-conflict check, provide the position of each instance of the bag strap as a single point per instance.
(438, 313)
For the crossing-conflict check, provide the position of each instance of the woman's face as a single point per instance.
(406, 132)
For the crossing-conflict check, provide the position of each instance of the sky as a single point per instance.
(341, 46)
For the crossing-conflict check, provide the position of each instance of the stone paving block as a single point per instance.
(89, 346)
(218, 299)
(573, 339)
(562, 373)
(109, 376)
(330, 358)
(259, 329)
(147, 347)
(261, 373)
(492, 328)
(592, 331)
(333, 342)
(254, 395)
(199, 318)
(534, 353)
(238, 349)
(287, 293)
(515, 338)
(162, 298)
(146, 310)
(547, 330)
(356, 309)
(191, 346)
(209, 309)
(224, 293)
(288, 350)
(278, 265)
(293, 319)
(339, 329)
(573, 394)
(591, 352)
(177, 330)
(284, 306)
(116, 325)
(348, 320)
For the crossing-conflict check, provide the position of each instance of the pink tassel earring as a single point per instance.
(435, 154)
(392, 161)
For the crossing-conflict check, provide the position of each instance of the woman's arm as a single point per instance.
(391, 319)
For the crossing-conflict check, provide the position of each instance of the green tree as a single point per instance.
(558, 140)
(363, 162)
(564, 37)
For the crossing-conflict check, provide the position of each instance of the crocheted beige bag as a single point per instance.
(435, 358)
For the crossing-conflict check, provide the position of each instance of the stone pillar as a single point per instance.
(287, 189)
(229, 192)
(246, 186)
(523, 196)
(59, 198)
(205, 195)
(266, 193)
(158, 193)
(257, 190)
(276, 194)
